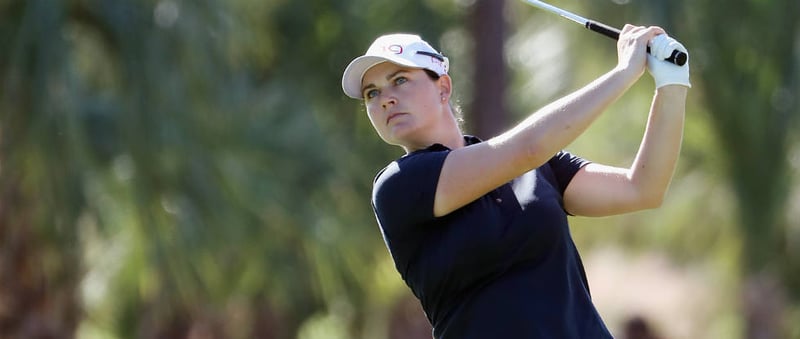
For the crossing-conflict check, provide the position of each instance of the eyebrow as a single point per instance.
(388, 77)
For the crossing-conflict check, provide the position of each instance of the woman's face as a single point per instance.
(403, 103)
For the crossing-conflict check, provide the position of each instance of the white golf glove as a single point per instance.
(665, 72)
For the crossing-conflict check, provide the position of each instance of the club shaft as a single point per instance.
(677, 57)
(566, 14)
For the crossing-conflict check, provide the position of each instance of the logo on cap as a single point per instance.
(396, 49)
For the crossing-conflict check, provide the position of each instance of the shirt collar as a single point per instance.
(468, 140)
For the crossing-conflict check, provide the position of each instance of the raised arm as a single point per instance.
(472, 171)
(598, 190)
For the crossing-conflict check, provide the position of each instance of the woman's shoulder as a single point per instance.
(414, 162)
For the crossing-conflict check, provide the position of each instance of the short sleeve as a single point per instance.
(403, 193)
(565, 165)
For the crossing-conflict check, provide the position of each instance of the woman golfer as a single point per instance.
(478, 229)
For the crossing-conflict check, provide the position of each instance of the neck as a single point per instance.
(448, 134)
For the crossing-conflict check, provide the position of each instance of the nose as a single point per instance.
(388, 99)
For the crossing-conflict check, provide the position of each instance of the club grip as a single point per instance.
(603, 29)
(676, 57)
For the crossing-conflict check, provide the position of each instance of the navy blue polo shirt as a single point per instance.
(503, 266)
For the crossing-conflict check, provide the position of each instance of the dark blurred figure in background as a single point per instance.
(638, 328)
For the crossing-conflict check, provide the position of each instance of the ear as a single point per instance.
(445, 85)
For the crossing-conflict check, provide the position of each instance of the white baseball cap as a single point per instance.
(402, 49)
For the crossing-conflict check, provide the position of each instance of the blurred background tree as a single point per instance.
(746, 74)
(753, 103)
(191, 169)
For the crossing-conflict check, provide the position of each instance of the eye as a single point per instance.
(371, 93)
(400, 80)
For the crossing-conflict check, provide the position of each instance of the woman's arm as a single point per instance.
(472, 171)
(598, 190)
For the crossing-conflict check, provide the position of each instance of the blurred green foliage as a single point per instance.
(192, 169)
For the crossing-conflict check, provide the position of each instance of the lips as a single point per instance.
(392, 116)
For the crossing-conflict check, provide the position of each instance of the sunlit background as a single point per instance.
(192, 169)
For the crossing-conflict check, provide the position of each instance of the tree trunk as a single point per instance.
(40, 266)
(488, 113)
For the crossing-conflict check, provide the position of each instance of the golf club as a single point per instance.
(676, 57)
